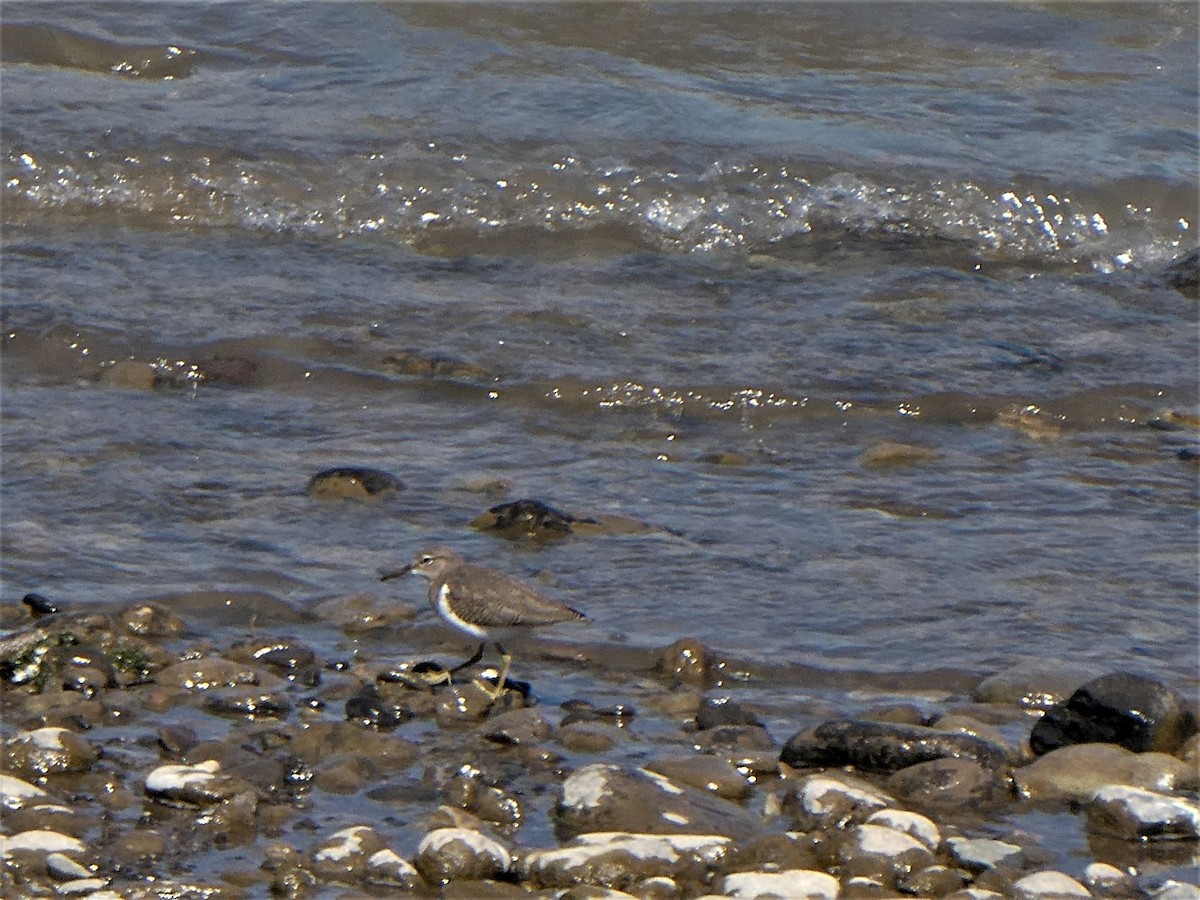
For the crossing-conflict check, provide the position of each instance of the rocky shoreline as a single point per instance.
(144, 757)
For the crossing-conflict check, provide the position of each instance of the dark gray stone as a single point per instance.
(885, 747)
(1132, 711)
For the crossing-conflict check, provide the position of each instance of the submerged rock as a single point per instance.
(525, 519)
(885, 747)
(1136, 712)
(353, 483)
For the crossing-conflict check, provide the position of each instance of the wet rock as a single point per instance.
(708, 773)
(208, 673)
(525, 519)
(245, 609)
(932, 881)
(40, 606)
(47, 751)
(946, 784)
(285, 658)
(518, 726)
(890, 453)
(62, 868)
(150, 620)
(684, 662)
(620, 860)
(1176, 890)
(345, 773)
(772, 852)
(1033, 685)
(881, 854)
(40, 841)
(1135, 712)
(718, 712)
(979, 854)
(16, 792)
(469, 790)
(913, 824)
(1076, 772)
(344, 854)
(361, 613)
(588, 737)
(1183, 274)
(799, 883)
(834, 800)
(606, 797)
(884, 747)
(462, 704)
(387, 868)
(195, 785)
(386, 752)
(1135, 814)
(248, 702)
(1048, 885)
(735, 739)
(139, 848)
(724, 458)
(1104, 880)
(435, 365)
(353, 483)
(458, 854)
(371, 709)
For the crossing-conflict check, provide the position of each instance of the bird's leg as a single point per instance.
(506, 657)
(470, 662)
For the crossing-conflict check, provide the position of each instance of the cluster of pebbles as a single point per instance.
(142, 756)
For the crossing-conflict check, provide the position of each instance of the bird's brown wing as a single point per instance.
(498, 601)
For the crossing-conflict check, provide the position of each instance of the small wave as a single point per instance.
(455, 203)
(41, 45)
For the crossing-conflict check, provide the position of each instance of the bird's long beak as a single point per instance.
(399, 573)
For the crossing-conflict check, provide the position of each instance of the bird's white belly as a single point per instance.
(443, 607)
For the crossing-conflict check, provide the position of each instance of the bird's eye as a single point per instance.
(426, 559)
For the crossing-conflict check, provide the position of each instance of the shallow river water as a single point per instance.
(687, 264)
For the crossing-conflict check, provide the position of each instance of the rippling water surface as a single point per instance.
(685, 264)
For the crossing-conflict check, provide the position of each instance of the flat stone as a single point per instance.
(1108, 880)
(794, 884)
(39, 841)
(619, 859)
(608, 797)
(980, 854)
(1136, 814)
(344, 853)
(1077, 771)
(884, 746)
(705, 772)
(16, 792)
(910, 823)
(1048, 884)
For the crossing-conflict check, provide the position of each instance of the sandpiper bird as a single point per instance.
(483, 602)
